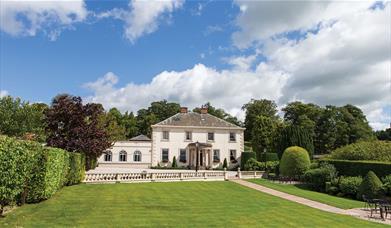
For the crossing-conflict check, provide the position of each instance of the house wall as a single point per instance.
(177, 141)
(130, 147)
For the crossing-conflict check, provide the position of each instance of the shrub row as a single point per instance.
(30, 172)
(360, 168)
(245, 157)
(364, 150)
(252, 165)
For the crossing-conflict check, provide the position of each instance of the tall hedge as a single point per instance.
(371, 151)
(294, 162)
(245, 157)
(269, 157)
(30, 172)
(50, 175)
(294, 136)
(360, 168)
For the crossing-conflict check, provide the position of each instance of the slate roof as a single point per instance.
(140, 138)
(195, 119)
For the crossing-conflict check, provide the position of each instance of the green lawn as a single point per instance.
(180, 204)
(297, 190)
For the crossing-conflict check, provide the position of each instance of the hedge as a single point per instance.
(269, 157)
(364, 150)
(245, 157)
(30, 172)
(360, 168)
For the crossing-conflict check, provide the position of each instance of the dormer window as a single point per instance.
(166, 135)
(232, 137)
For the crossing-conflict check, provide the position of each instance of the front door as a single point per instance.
(201, 159)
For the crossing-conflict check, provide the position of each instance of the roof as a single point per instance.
(194, 119)
(140, 138)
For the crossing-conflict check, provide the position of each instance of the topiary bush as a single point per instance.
(371, 186)
(387, 184)
(317, 178)
(295, 161)
(225, 163)
(76, 168)
(371, 150)
(174, 163)
(349, 186)
(245, 157)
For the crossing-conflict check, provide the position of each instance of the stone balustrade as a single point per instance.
(166, 176)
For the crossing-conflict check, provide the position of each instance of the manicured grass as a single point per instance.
(185, 204)
(299, 190)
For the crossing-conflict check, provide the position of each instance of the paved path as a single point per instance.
(359, 213)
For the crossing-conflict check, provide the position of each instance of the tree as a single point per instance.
(384, 135)
(77, 128)
(114, 127)
(129, 121)
(21, 119)
(263, 135)
(220, 113)
(292, 135)
(257, 108)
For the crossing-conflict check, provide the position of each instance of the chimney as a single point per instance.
(204, 110)
(183, 109)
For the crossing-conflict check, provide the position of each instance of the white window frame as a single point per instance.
(213, 136)
(190, 134)
(163, 135)
(234, 138)
(168, 154)
(123, 152)
(180, 152)
(137, 153)
(108, 154)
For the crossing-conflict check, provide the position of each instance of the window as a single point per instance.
(166, 135)
(211, 136)
(188, 135)
(122, 156)
(182, 155)
(108, 156)
(232, 155)
(232, 137)
(164, 155)
(216, 155)
(137, 156)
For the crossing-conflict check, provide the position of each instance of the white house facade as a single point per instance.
(196, 140)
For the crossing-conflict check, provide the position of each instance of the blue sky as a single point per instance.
(126, 54)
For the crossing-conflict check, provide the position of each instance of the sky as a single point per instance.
(126, 54)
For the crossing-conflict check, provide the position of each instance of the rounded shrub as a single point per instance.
(294, 162)
(349, 186)
(371, 186)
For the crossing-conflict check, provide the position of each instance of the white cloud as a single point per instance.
(26, 18)
(142, 17)
(241, 63)
(192, 87)
(3, 93)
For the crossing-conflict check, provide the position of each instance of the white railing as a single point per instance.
(162, 176)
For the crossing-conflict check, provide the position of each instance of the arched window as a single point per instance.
(137, 156)
(122, 156)
(108, 156)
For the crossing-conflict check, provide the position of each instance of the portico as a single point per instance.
(200, 155)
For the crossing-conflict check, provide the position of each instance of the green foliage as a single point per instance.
(245, 157)
(387, 184)
(220, 113)
(349, 186)
(255, 108)
(50, 175)
(364, 150)
(174, 163)
(318, 177)
(76, 168)
(269, 157)
(371, 186)
(263, 134)
(22, 119)
(253, 165)
(15, 167)
(360, 168)
(384, 134)
(294, 136)
(225, 163)
(294, 162)
(247, 146)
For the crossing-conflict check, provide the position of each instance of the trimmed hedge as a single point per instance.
(253, 165)
(294, 162)
(349, 186)
(371, 186)
(269, 157)
(360, 168)
(30, 172)
(318, 177)
(245, 157)
(364, 150)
